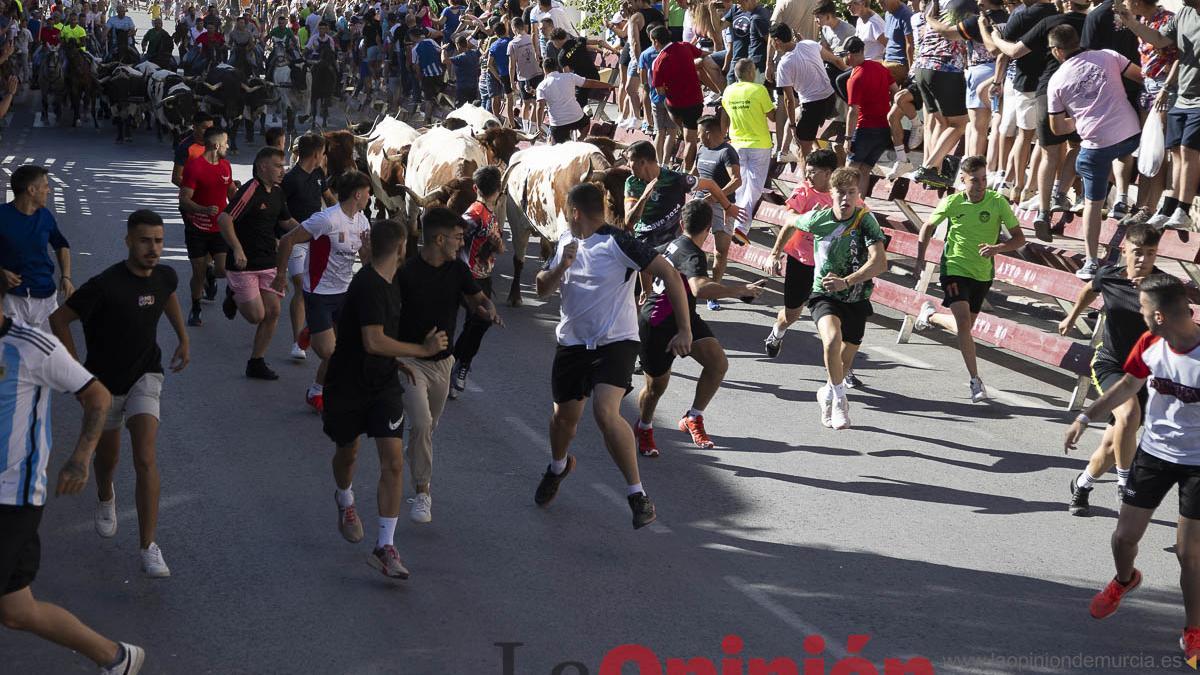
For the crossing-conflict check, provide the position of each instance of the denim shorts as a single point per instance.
(975, 76)
(1094, 166)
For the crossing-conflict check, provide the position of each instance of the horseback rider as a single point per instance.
(321, 39)
(118, 23)
(157, 43)
(73, 34)
(48, 37)
(283, 38)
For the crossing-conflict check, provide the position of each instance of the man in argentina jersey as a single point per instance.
(32, 365)
(1167, 360)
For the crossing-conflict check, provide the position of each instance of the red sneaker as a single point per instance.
(1107, 600)
(695, 427)
(302, 340)
(1189, 642)
(646, 444)
(315, 401)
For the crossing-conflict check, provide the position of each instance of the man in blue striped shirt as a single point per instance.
(32, 364)
(427, 61)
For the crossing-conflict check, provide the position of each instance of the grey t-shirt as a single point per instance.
(712, 162)
(834, 37)
(1184, 29)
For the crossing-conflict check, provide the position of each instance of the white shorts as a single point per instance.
(141, 399)
(33, 312)
(1020, 110)
(297, 261)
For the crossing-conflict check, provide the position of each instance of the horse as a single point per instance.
(82, 85)
(51, 82)
(244, 59)
(123, 50)
(289, 74)
(324, 84)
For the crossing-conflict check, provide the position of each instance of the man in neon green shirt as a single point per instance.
(73, 33)
(975, 217)
(748, 106)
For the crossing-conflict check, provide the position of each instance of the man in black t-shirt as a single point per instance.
(120, 309)
(1117, 286)
(306, 191)
(250, 227)
(364, 394)
(657, 327)
(432, 286)
(575, 55)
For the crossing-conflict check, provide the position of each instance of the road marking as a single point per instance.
(655, 527)
(9, 159)
(49, 161)
(539, 439)
(175, 249)
(184, 258)
(725, 548)
(900, 358)
(130, 512)
(760, 594)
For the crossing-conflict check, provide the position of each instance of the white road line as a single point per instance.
(49, 161)
(655, 527)
(175, 249)
(725, 548)
(184, 258)
(540, 440)
(761, 595)
(9, 159)
(900, 358)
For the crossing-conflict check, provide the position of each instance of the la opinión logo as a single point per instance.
(733, 662)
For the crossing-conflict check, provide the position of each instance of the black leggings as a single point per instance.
(474, 328)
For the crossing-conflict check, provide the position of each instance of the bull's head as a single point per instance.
(501, 143)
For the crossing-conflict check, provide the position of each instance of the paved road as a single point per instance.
(936, 526)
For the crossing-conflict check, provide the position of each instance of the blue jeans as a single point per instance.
(1094, 166)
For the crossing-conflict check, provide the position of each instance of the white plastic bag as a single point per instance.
(1152, 147)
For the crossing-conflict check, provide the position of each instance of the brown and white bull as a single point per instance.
(440, 155)
(477, 119)
(386, 151)
(538, 180)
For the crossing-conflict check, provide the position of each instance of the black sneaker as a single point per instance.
(1079, 498)
(458, 379)
(194, 318)
(950, 165)
(852, 381)
(772, 344)
(210, 284)
(548, 488)
(931, 178)
(643, 510)
(229, 307)
(258, 369)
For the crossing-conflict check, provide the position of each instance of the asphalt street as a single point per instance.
(935, 526)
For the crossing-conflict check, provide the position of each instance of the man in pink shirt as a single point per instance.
(1086, 95)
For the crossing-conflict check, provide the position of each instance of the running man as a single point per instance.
(1117, 286)
(40, 364)
(974, 219)
(120, 309)
(432, 286)
(598, 338)
(258, 215)
(204, 191)
(304, 188)
(27, 231)
(848, 251)
(657, 330)
(719, 162)
(337, 235)
(364, 394)
(1167, 358)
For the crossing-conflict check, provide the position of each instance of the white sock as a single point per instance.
(1122, 476)
(776, 333)
(645, 425)
(634, 489)
(694, 412)
(345, 498)
(901, 154)
(557, 466)
(1085, 480)
(839, 391)
(387, 532)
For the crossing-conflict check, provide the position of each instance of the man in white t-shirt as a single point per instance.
(556, 95)
(523, 72)
(337, 234)
(806, 94)
(598, 334)
(1166, 360)
(870, 28)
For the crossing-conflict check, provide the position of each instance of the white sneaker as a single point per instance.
(153, 564)
(131, 664)
(825, 400)
(1032, 204)
(1158, 221)
(841, 414)
(978, 391)
(1088, 269)
(297, 353)
(422, 508)
(106, 518)
(1180, 220)
(927, 311)
(899, 169)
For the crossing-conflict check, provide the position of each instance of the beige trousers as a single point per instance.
(423, 404)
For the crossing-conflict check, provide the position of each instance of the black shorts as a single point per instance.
(321, 312)
(797, 283)
(577, 370)
(964, 289)
(1106, 373)
(813, 116)
(868, 145)
(200, 243)
(624, 58)
(853, 316)
(505, 85)
(1047, 138)
(380, 417)
(431, 87)
(658, 238)
(563, 134)
(529, 88)
(655, 357)
(687, 117)
(1151, 478)
(20, 547)
(942, 92)
(465, 96)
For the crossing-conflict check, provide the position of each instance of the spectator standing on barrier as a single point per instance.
(27, 231)
(805, 91)
(748, 107)
(749, 23)
(675, 77)
(898, 53)
(869, 28)
(868, 93)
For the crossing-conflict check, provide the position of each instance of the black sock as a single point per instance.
(195, 305)
(1185, 207)
(1168, 206)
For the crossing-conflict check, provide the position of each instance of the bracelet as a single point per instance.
(1083, 419)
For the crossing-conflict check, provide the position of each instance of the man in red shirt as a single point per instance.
(869, 94)
(204, 192)
(674, 76)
